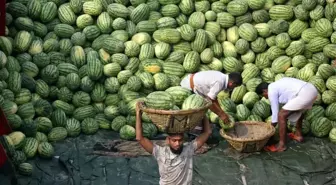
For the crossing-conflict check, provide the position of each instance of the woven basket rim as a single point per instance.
(174, 112)
(270, 134)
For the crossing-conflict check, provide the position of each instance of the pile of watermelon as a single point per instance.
(71, 67)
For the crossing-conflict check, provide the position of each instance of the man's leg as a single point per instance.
(283, 115)
(297, 136)
(298, 129)
(282, 124)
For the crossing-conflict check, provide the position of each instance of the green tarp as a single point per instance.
(310, 163)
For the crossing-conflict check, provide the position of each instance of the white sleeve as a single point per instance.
(192, 147)
(215, 89)
(156, 150)
(274, 99)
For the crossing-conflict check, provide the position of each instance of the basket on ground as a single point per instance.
(176, 121)
(248, 136)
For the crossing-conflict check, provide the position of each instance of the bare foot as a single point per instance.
(297, 137)
(275, 148)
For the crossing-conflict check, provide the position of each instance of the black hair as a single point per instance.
(236, 78)
(261, 87)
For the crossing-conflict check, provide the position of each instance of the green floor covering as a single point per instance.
(309, 163)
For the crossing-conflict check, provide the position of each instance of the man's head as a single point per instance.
(262, 89)
(235, 80)
(175, 142)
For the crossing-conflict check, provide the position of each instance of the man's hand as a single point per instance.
(137, 108)
(215, 107)
(225, 118)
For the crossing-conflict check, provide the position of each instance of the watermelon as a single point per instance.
(25, 169)
(45, 150)
(179, 94)
(160, 100)
(30, 147)
(193, 101)
(75, 67)
(18, 157)
(57, 134)
(332, 135)
(127, 132)
(321, 127)
(89, 126)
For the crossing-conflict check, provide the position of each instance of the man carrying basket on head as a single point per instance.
(208, 84)
(297, 96)
(175, 160)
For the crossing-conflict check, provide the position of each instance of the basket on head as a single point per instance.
(176, 121)
(248, 136)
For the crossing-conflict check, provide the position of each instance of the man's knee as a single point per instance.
(283, 114)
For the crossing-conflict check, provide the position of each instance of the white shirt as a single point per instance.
(281, 91)
(175, 169)
(207, 83)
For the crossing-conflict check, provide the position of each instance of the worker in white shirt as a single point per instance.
(296, 96)
(208, 84)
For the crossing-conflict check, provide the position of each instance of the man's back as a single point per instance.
(175, 169)
(207, 83)
(288, 86)
(208, 78)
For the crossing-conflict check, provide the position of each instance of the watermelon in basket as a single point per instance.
(170, 117)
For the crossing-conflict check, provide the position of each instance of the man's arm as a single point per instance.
(144, 142)
(274, 99)
(215, 107)
(201, 139)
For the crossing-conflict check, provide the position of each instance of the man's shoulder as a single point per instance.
(191, 145)
(188, 143)
(160, 147)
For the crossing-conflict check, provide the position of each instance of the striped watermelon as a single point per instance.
(160, 100)
(89, 126)
(45, 150)
(284, 12)
(30, 147)
(57, 134)
(321, 126)
(193, 101)
(179, 94)
(25, 169)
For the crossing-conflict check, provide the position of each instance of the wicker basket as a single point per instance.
(248, 136)
(176, 121)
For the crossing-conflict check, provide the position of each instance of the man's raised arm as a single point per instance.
(144, 142)
(201, 139)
